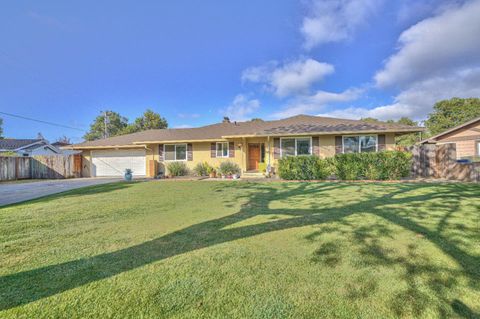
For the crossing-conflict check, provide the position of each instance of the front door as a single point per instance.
(253, 156)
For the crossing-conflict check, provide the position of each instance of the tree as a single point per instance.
(256, 119)
(114, 125)
(1, 128)
(148, 121)
(450, 113)
(407, 139)
(64, 139)
(369, 120)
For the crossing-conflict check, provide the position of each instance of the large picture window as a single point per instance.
(295, 146)
(175, 152)
(222, 149)
(360, 144)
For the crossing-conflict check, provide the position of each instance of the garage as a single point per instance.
(114, 162)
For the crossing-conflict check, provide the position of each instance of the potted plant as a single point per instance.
(211, 172)
(128, 174)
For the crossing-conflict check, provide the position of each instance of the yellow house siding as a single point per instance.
(390, 142)
(202, 153)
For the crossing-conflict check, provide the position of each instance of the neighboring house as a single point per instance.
(245, 143)
(466, 137)
(28, 147)
(64, 148)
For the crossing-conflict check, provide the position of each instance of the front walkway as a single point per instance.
(11, 193)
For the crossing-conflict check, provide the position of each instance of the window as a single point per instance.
(222, 149)
(262, 153)
(295, 146)
(478, 148)
(175, 152)
(360, 144)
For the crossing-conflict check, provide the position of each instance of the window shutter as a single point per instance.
(276, 148)
(381, 143)
(189, 152)
(160, 152)
(338, 145)
(231, 149)
(316, 145)
(213, 150)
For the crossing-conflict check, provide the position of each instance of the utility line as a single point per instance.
(41, 121)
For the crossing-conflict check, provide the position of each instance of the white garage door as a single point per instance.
(114, 162)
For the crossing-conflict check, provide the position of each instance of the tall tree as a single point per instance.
(107, 124)
(148, 121)
(1, 128)
(450, 113)
(407, 139)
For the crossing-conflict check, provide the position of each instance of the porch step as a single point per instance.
(252, 175)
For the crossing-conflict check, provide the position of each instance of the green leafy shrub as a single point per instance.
(177, 169)
(388, 165)
(304, 167)
(202, 169)
(228, 168)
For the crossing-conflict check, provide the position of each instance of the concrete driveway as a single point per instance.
(18, 192)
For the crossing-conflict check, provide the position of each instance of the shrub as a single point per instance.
(228, 168)
(305, 167)
(202, 169)
(177, 169)
(386, 165)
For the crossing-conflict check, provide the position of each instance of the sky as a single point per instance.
(197, 61)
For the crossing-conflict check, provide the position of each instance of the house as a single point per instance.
(64, 148)
(245, 143)
(28, 147)
(466, 138)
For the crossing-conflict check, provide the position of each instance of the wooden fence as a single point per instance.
(440, 161)
(40, 167)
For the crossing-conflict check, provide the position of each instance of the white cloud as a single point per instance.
(188, 115)
(317, 101)
(418, 100)
(436, 46)
(183, 126)
(335, 20)
(411, 11)
(290, 78)
(241, 108)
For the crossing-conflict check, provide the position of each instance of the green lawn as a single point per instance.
(244, 250)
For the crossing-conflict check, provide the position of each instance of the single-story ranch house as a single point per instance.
(245, 143)
(466, 137)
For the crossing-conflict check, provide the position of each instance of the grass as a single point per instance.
(243, 250)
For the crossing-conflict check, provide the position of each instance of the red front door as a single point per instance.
(253, 156)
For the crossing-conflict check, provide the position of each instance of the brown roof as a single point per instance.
(296, 125)
(13, 143)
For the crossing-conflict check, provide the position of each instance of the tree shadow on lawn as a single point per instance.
(28, 286)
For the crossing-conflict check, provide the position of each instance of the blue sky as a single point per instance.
(196, 61)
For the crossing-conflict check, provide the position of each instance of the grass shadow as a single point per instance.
(28, 286)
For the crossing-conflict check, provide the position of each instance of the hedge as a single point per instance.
(387, 165)
(303, 167)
